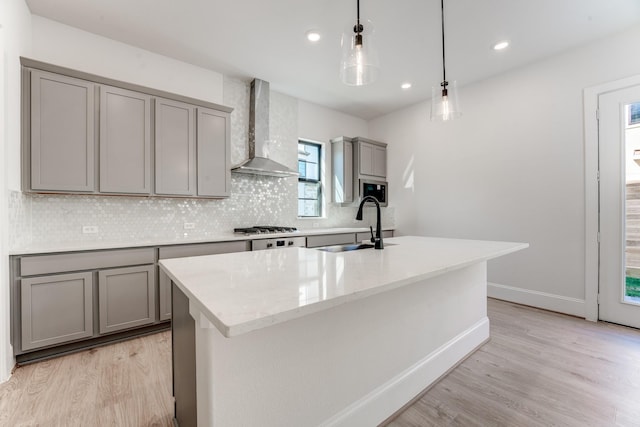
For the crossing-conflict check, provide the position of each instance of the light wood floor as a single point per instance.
(123, 384)
(539, 369)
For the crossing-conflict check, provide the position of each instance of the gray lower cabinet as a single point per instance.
(56, 309)
(330, 239)
(60, 155)
(62, 300)
(175, 148)
(183, 350)
(125, 141)
(127, 297)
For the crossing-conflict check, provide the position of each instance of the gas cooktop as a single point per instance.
(265, 229)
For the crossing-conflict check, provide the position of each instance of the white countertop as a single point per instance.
(245, 291)
(98, 244)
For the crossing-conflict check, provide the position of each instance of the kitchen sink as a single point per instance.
(351, 247)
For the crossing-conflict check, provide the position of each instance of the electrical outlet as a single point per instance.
(89, 229)
(189, 225)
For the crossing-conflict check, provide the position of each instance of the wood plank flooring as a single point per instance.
(539, 369)
(123, 384)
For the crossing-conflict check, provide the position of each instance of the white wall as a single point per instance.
(15, 40)
(511, 169)
(71, 47)
(321, 124)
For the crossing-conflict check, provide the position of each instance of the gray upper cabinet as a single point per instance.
(175, 145)
(372, 159)
(61, 149)
(56, 309)
(342, 165)
(214, 169)
(125, 141)
(84, 133)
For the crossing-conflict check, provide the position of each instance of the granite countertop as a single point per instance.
(246, 291)
(98, 244)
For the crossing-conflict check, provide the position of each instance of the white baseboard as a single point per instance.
(376, 406)
(559, 303)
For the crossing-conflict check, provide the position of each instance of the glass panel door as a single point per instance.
(619, 161)
(631, 292)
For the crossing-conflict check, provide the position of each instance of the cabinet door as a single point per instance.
(342, 156)
(62, 133)
(56, 309)
(175, 148)
(164, 289)
(126, 297)
(379, 161)
(214, 171)
(125, 141)
(366, 158)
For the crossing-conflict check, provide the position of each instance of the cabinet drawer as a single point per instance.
(127, 297)
(56, 309)
(203, 249)
(330, 239)
(367, 235)
(45, 264)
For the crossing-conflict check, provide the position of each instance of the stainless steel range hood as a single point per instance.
(259, 162)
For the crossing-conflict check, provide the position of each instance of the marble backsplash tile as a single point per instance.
(44, 219)
(38, 219)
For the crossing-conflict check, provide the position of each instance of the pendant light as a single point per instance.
(360, 65)
(444, 99)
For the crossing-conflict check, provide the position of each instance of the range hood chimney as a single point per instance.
(259, 162)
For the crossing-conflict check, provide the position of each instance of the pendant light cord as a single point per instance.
(358, 27)
(444, 70)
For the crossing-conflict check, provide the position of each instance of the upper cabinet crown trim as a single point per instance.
(32, 63)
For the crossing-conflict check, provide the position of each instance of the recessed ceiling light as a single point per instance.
(313, 36)
(501, 45)
(405, 85)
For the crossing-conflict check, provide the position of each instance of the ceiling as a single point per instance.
(266, 39)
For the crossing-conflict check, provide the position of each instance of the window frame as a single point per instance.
(320, 181)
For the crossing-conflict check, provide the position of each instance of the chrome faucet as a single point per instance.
(378, 239)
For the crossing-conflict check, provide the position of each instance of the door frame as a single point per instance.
(592, 191)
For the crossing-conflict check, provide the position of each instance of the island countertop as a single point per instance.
(246, 291)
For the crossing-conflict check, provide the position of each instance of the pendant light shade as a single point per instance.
(444, 102)
(444, 98)
(360, 64)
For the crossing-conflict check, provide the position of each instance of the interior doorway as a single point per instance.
(619, 206)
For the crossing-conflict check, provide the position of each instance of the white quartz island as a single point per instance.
(303, 337)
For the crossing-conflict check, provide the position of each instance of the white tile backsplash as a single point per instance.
(45, 219)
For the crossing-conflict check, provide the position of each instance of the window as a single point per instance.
(309, 184)
(633, 114)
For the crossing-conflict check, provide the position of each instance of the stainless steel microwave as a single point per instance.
(377, 189)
